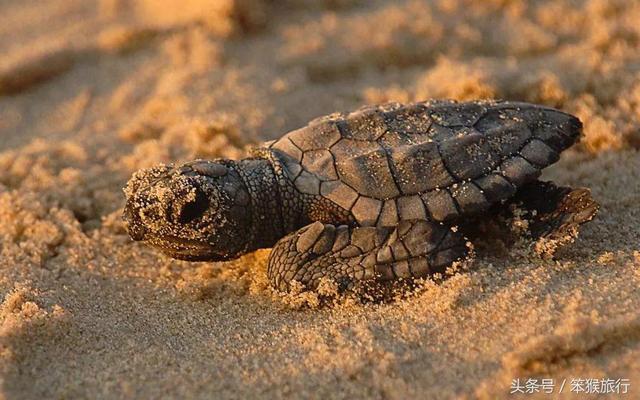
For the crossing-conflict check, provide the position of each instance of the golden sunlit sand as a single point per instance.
(91, 91)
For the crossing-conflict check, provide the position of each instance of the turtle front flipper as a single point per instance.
(555, 211)
(350, 255)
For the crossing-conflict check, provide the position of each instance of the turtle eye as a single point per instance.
(193, 209)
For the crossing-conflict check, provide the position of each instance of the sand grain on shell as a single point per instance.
(92, 91)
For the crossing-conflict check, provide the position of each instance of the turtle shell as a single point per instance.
(436, 160)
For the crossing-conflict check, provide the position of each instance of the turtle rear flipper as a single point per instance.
(555, 211)
(350, 256)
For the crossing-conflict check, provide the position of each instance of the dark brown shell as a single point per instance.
(436, 160)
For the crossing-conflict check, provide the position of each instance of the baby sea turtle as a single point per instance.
(375, 194)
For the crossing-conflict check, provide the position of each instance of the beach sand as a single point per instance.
(91, 91)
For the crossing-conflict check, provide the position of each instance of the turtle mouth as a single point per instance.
(186, 249)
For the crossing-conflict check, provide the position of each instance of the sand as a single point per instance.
(92, 91)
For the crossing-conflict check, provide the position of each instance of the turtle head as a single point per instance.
(197, 211)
